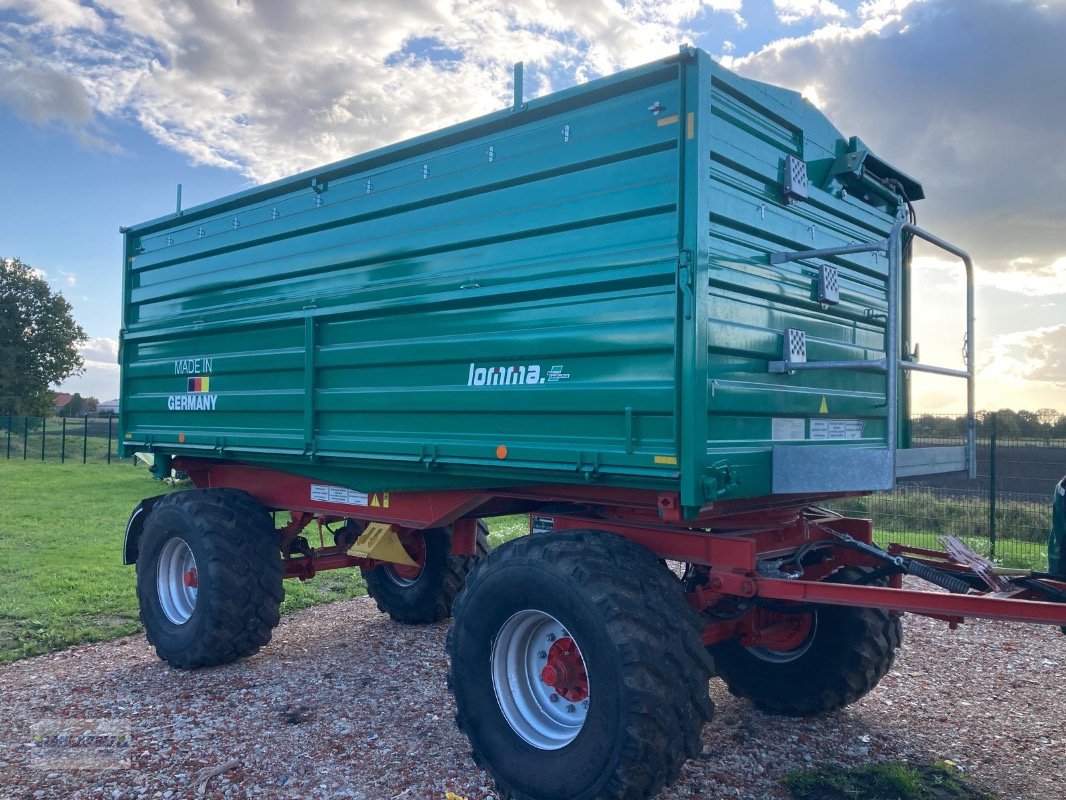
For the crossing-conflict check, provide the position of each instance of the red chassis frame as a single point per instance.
(741, 536)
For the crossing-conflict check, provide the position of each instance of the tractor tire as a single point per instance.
(419, 596)
(209, 577)
(845, 655)
(577, 669)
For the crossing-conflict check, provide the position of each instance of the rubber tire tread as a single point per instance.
(423, 604)
(241, 574)
(854, 649)
(665, 668)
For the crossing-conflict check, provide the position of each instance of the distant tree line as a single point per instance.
(1043, 424)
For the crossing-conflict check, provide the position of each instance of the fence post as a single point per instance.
(109, 419)
(63, 444)
(85, 442)
(992, 489)
(9, 421)
(25, 438)
(43, 426)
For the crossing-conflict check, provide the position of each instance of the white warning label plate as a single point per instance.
(788, 429)
(338, 494)
(837, 429)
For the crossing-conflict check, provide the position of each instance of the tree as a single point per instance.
(38, 339)
(76, 406)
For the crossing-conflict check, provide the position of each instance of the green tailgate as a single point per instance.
(573, 291)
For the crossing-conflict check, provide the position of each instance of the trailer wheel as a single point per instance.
(826, 659)
(424, 594)
(577, 669)
(209, 577)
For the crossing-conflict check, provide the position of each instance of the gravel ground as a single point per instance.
(345, 703)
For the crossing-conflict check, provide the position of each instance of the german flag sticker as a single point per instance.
(202, 384)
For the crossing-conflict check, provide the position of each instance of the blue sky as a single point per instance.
(106, 106)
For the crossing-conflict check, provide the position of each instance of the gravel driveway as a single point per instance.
(346, 703)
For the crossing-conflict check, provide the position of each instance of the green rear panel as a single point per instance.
(749, 303)
(576, 291)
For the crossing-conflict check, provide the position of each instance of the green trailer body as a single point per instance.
(664, 313)
(578, 290)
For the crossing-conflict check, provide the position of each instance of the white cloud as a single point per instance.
(1037, 356)
(272, 88)
(964, 96)
(100, 377)
(1029, 276)
(69, 278)
(791, 11)
(101, 351)
(881, 9)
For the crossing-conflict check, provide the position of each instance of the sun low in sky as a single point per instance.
(106, 105)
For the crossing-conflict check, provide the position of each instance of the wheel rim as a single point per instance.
(782, 637)
(402, 574)
(540, 680)
(177, 581)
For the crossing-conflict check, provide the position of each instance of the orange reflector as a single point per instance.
(501, 451)
(181, 438)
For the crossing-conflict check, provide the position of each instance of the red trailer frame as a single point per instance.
(729, 544)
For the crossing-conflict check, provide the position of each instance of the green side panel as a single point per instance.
(577, 291)
(490, 305)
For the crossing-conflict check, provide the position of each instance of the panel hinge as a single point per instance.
(684, 281)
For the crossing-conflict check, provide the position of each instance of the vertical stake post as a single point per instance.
(992, 489)
(85, 442)
(63, 444)
(110, 418)
(43, 426)
(25, 437)
(518, 90)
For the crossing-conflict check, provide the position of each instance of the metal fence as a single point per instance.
(75, 439)
(1005, 513)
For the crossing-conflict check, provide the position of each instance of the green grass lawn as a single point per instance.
(61, 571)
(1009, 552)
(62, 580)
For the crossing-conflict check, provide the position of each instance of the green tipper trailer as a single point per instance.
(665, 313)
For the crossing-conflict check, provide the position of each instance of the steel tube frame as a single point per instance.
(935, 604)
(891, 364)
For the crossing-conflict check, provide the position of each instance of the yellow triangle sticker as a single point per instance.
(374, 501)
(824, 407)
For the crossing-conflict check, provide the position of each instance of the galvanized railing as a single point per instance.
(892, 364)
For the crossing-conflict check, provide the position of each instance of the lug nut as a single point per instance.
(585, 704)
(551, 637)
(570, 709)
(542, 654)
(553, 697)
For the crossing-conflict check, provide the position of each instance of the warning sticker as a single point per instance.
(838, 429)
(788, 428)
(338, 494)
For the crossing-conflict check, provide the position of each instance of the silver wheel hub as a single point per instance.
(539, 677)
(177, 581)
